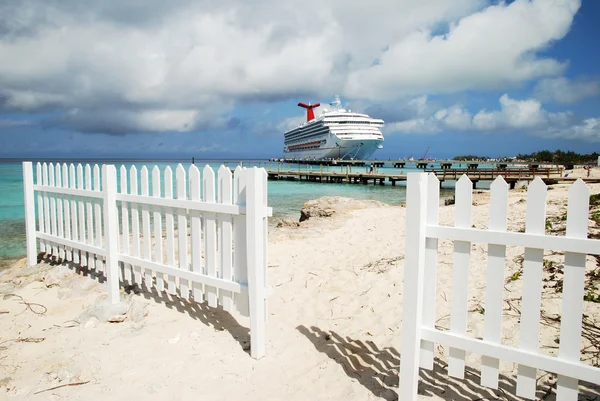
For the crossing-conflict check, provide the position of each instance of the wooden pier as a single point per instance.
(423, 164)
(511, 176)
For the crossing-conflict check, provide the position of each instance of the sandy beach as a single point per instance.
(334, 330)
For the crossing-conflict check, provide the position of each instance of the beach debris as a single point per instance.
(25, 340)
(382, 265)
(21, 340)
(36, 308)
(63, 385)
(67, 325)
(289, 281)
(30, 339)
(117, 318)
(5, 381)
(174, 340)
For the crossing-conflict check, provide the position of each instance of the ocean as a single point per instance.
(285, 197)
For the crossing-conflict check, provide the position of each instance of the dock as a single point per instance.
(511, 176)
(422, 164)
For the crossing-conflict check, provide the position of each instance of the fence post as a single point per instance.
(257, 262)
(111, 231)
(414, 266)
(29, 213)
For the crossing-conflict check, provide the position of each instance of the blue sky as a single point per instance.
(154, 79)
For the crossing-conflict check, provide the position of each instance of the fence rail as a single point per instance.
(136, 231)
(419, 332)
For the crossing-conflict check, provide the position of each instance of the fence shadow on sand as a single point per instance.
(216, 318)
(377, 369)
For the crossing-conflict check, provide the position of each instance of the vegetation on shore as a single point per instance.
(558, 156)
(545, 156)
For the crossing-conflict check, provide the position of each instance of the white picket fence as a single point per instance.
(82, 217)
(419, 331)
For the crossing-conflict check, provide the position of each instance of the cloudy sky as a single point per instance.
(221, 78)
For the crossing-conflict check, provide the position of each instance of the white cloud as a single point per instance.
(525, 116)
(116, 66)
(520, 114)
(454, 117)
(492, 48)
(587, 130)
(564, 90)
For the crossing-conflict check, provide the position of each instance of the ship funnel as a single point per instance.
(310, 114)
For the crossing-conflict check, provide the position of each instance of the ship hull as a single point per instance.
(356, 149)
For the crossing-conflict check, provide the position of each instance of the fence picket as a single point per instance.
(182, 232)
(48, 229)
(264, 235)
(494, 298)
(196, 232)
(59, 212)
(127, 268)
(210, 234)
(146, 232)
(82, 226)
(225, 236)
(74, 225)
(532, 281)
(40, 208)
(431, 261)
(98, 217)
(53, 223)
(67, 211)
(460, 275)
(158, 249)
(255, 209)
(415, 282)
(170, 243)
(53, 226)
(111, 230)
(90, 216)
(573, 289)
(135, 225)
(240, 273)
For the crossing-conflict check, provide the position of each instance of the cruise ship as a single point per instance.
(335, 134)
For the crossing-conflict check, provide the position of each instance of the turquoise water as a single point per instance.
(285, 197)
(12, 214)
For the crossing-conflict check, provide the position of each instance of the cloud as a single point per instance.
(587, 130)
(516, 114)
(525, 116)
(564, 90)
(492, 48)
(142, 66)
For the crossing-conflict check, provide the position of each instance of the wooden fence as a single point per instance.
(419, 331)
(85, 217)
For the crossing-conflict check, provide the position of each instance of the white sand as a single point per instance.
(334, 328)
